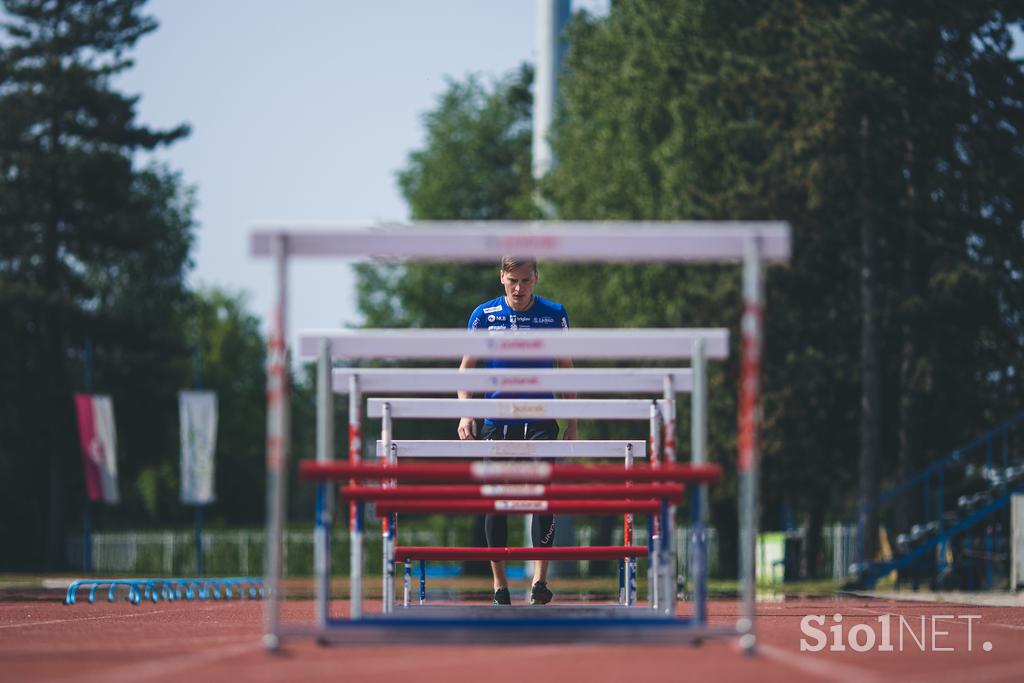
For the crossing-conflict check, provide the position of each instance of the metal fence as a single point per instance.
(239, 552)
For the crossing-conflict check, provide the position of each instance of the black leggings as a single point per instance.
(496, 526)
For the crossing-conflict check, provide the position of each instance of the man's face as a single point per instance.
(519, 284)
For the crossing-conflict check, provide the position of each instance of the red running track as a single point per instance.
(521, 491)
(518, 507)
(42, 641)
(598, 552)
(509, 472)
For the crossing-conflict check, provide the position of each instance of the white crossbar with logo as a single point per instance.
(580, 380)
(512, 409)
(648, 344)
(418, 448)
(693, 241)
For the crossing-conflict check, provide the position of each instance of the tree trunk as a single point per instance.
(909, 437)
(815, 522)
(870, 397)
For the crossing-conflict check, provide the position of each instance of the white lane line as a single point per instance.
(150, 644)
(125, 615)
(1015, 627)
(170, 667)
(981, 621)
(816, 666)
(30, 624)
(1007, 671)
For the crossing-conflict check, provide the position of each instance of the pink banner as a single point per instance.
(99, 446)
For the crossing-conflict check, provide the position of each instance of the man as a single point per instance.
(518, 309)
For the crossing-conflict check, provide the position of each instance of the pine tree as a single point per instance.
(94, 248)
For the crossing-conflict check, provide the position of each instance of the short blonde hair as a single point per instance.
(510, 263)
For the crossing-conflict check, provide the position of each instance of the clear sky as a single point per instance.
(305, 111)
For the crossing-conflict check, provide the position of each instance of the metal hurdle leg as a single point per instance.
(627, 539)
(388, 522)
(652, 524)
(667, 599)
(749, 424)
(355, 508)
(324, 489)
(698, 503)
(407, 582)
(423, 582)
(622, 581)
(277, 445)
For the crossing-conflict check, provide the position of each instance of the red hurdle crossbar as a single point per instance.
(672, 492)
(509, 472)
(518, 507)
(602, 552)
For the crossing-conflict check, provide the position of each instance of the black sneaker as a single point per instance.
(502, 597)
(540, 595)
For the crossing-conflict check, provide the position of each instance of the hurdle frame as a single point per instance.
(669, 343)
(748, 243)
(546, 409)
(668, 381)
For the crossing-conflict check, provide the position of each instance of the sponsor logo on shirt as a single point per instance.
(496, 327)
(493, 309)
(544, 320)
(490, 318)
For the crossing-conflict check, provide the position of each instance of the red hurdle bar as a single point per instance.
(509, 472)
(515, 491)
(600, 552)
(517, 507)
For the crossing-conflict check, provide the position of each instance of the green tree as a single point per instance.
(94, 248)
(887, 136)
(876, 131)
(475, 165)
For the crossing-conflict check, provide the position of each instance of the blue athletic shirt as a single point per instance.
(496, 315)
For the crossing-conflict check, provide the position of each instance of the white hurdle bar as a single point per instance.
(748, 242)
(648, 344)
(511, 408)
(423, 448)
(614, 241)
(531, 380)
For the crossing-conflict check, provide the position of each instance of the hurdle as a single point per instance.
(379, 344)
(604, 409)
(666, 381)
(750, 243)
(579, 380)
(511, 499)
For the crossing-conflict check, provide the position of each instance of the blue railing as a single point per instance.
(930, 482)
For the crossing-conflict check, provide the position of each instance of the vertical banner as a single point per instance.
(198, 411)
(99, 446)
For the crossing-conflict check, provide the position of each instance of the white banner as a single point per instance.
(198, 410)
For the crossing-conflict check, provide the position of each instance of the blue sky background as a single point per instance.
(305, 111)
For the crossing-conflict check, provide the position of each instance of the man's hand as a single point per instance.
(467, 429)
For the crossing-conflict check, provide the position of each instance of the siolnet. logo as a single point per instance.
(890, 633)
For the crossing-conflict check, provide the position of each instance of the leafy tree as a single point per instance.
(94, 248)
(886, 135)
(475, 165)
(864, 126)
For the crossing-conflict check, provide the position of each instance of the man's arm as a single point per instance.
(467, 425)
(570, 426)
